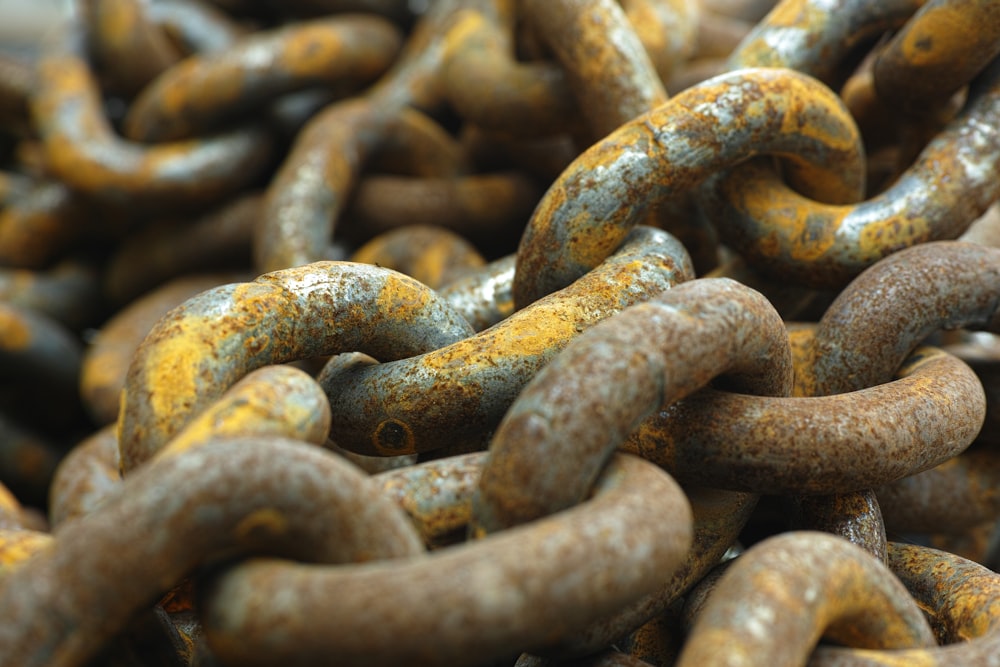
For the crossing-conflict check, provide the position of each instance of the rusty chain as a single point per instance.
(501, 332)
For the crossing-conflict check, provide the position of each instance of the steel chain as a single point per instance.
(487, 332)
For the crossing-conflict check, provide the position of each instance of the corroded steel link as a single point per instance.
(274, 401)
(955, 496)
(27, 461)
(876, 321)
(433, 255)
(458, 394)
(608, 68)
(584, 403)
(83, 150)
(204, 91)
(962, 600)
(199, 349)
(568, 570)
(85, 477)
(68, 292)
(825, 246)
(809, 35)
(437, 495)
(491, 88)
(129, 48)
(194, 26)
(939, 50)
(668, 151)
(484, 297)
(149, 257)
(40, 224)
(869, 437)
(240, 496)
(819, 586)
(668, 30)
(106, 360)
(309, 191)
(719, 516)
(855, 517)
(305, 198)
(486, 208)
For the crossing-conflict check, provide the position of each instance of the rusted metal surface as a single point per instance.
(860, 342)
(274, 401)
(719, 517)
(83, 150)
(292, 133)
(432, 255)
(437, 495)
(489, 86)
(950, 498)
(855, 517)
(85, 477)
(199, 349)
(819, 444)
(485, 208)
(484, 297)
(819, 586)
(562, 565)
(821, 245)
(586, 212)
(105, 362)
(38, 225)
(128, 46)
(937, 52)
(166, 519)
(608, 68)
(815, 35)
(586, 401)
(961, 599)
(459, 393)
(204, 91)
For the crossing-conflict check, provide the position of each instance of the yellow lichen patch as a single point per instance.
(942, 33)
(800, 97)
(275, 401)
(16, 546)
(402, 296)
(171, 373)
(878, 239)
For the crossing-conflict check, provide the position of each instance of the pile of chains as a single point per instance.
(501, 332)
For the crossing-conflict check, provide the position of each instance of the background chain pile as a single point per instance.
(501, 332)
